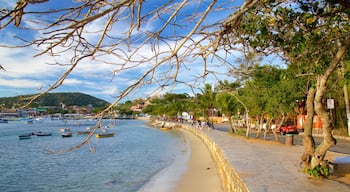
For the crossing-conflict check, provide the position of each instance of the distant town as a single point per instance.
(65, 106)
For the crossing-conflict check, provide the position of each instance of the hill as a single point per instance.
(55, 99)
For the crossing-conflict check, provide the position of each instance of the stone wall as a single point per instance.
(231, 182)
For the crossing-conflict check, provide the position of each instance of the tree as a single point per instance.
(207, 102)
(171, 105)
(228, 102)
(311, 35)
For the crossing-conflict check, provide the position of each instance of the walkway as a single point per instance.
(267, 166)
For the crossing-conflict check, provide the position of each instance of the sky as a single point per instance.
(26, 73)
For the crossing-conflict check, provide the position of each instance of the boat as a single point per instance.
(4, 121)
(67, 132)
(83, 132)
(166, 128)
(42, 133)
(104, 135)
(30, 121)
(25, 136)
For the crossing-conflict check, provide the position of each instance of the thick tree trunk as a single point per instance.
(308, 140)
(327, 126)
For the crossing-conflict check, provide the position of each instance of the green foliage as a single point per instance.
(319, 171)
(306, 33)
(170, 104)
(241, 132)
(207, 101)
(125, 108)
(55, 99)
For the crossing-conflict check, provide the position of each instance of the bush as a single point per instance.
(319, 171)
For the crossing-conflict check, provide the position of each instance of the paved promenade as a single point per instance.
(268, 166)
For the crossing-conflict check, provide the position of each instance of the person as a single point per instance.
(208, 125)
(273, 126)
(264, 126)
(199, 125)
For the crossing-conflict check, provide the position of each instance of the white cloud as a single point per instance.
(20, 83)
(20, 63)
(74, 81)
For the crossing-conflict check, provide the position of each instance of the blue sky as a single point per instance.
(26, 74)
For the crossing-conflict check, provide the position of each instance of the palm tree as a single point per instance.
(207, 102)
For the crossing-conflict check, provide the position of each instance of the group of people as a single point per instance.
(201, 124)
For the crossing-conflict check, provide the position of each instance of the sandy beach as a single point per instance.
(192, 170)
(201, 173)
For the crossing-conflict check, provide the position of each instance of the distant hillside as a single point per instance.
(55, 99)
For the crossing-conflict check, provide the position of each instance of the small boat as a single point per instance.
(104, 135)
(166, 128)
(67, 132)
(25, 136)
(42, 134)
(30, 121)
(83, 132)
(4, 121)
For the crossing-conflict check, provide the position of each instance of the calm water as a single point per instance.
(121, 163)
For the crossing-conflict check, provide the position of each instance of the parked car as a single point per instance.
(284, 129)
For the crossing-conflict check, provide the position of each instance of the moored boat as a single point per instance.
(104, 135)
(67, 132)
(83, 132)
(25, 136)
(42, 133)
(29, 121)
(166, 128)
(4, 121)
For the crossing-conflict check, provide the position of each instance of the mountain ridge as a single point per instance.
(55, 99)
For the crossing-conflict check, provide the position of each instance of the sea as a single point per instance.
(137, 158)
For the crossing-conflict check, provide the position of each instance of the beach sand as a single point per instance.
(192, 170)
(201, 173)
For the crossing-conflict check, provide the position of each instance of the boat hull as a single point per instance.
(104, 135)
(25, 136)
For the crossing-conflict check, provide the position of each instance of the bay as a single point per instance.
(125, 162)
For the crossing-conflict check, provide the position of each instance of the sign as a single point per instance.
(330, 103)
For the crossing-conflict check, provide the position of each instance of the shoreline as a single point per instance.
(193, 169)
(201, 173)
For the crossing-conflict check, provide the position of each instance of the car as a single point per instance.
(284, 129)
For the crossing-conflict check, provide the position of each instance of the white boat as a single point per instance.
(67, 132)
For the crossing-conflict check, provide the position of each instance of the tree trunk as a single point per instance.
(308, 140)
(247, 123)
(231, 128)
(346, 97)
(246, 112)
(327, 126)
(260, 126)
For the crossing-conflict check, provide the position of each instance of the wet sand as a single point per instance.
(201, 173)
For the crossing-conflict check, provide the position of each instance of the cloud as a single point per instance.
(101, 75)
(20, 83)
(74, 82)
(21, 63)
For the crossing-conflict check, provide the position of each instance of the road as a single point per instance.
(342, 146)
